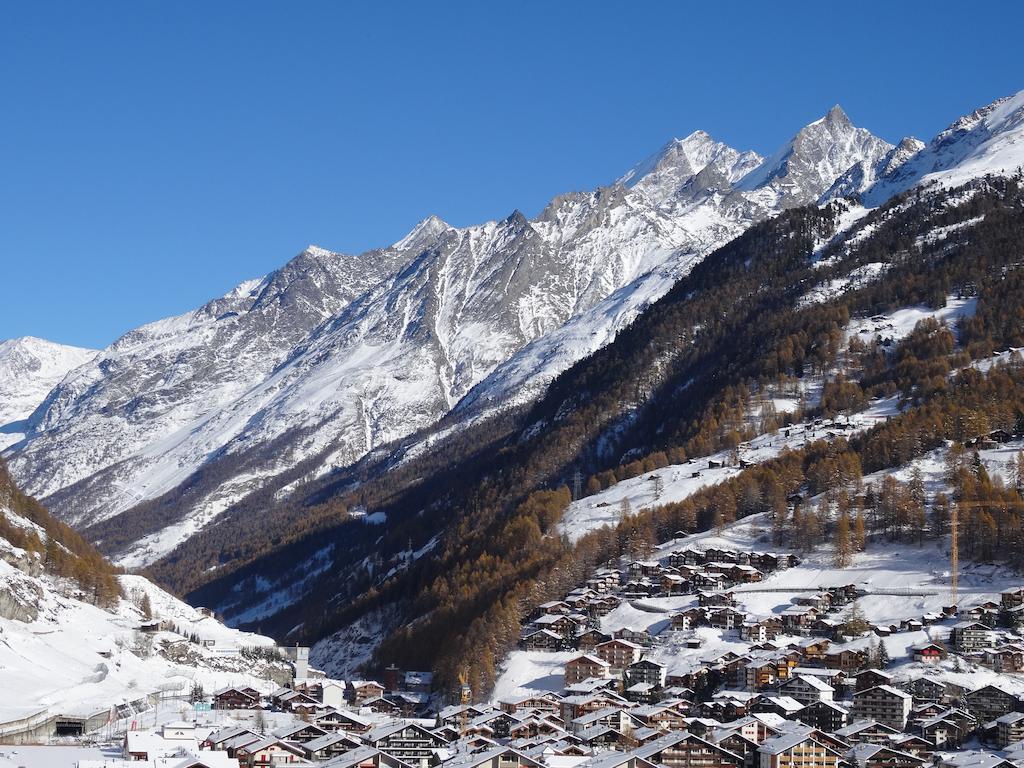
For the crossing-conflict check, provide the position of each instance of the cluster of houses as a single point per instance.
(401, 694)
(796, 697)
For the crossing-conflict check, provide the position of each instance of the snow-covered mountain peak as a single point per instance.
(989, 140)
(424, 233)
(29, 368)
(664, 173)
(807, 166)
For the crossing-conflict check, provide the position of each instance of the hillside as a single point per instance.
(303, 372)
(475, 543)
(70, 632)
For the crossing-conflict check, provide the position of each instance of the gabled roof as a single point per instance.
(362, 754)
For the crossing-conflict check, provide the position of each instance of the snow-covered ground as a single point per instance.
(29, 369)
(903, 580)
(76, 658)
(678, 480)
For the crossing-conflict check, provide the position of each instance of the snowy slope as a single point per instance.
(29, 369)
(989, 140)
(61, 655)
(122, 423)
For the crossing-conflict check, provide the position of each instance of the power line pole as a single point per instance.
(577, 485)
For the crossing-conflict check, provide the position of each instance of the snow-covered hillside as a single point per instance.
(29, 369)
(989, 140)
(63, 655)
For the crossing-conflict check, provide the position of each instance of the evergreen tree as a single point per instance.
(841, 545)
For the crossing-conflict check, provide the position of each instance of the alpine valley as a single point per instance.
(396, 456)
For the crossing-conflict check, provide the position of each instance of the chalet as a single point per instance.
(330, 746)
(299, 703)
(659, 716)
(824, 715)
(715, 555)
(494, 724)
(544, 703)
(383, 705)
(866, 731)
(878, 756)
(685, 557)
(575, 706)
(869, 678)
(343, 720)
(554, 607)
(760, 672)
(1006, 658)
(707, 581)
(813, 649)
(914, 745)
(561, 624)
(619, 654)
(883, 704)
(457, 714)
(928, 653)
(799, 747)
(586, 666)
(542, 640)
(217, 740)
(361, 691)
(807, 689)
(687, 620)
(645, 671)
(1009, 729)
(270, 751)
(368, 757)
(760, 630)
(988, 613)
(941, 731)
(299, 733)
(928, 688)
(236, 698)
(821, 600)
(687, 750)
(641, 637)
(496, 757)
(969, 636)
(1011, 598)
(798, 619)
(411, 743)
(589, 640)
(726, 618)
(783, 706)
(990, 702)
(707, 599)
(847, 659)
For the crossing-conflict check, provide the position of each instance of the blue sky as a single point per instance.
(153, 155)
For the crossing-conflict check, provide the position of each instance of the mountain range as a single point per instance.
(298, 387)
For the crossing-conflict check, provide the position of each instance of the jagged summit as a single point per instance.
(666, 171)
(806, 166)
(988, 140)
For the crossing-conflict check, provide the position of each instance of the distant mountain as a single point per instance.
(292, 377)
(989, 140)
(29, 369)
